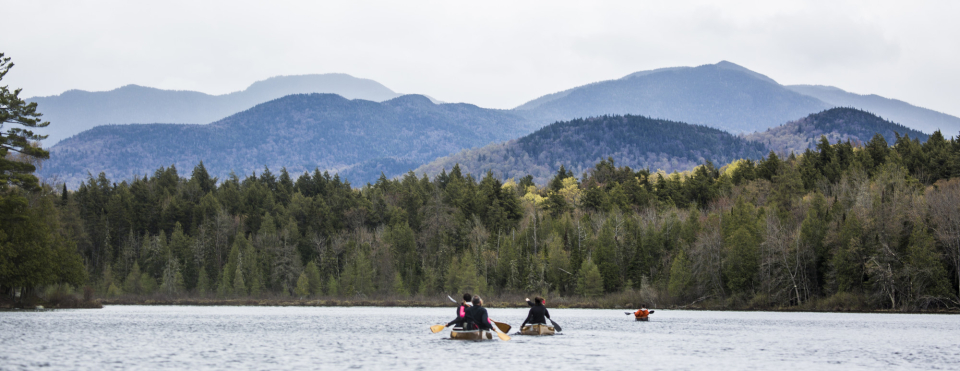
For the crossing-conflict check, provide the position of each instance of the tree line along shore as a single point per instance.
(844, 226)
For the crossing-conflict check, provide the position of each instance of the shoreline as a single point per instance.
(494, 302)
(444, 304)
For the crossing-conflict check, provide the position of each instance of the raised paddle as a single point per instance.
(629, 313)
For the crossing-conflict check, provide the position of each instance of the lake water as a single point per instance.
(165, 337)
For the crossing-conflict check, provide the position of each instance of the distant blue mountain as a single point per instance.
(723, 95)
(77, 110)
(914, 117)
(356, 138)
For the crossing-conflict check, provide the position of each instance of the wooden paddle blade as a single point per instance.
(437, 328)
(555, 325)
(502, 326)
(503, 336)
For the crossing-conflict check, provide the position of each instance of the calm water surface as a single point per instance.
(144, 337)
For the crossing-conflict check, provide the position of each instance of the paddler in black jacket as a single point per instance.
(538, 312)
(478, 314)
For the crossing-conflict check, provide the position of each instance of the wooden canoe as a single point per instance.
(537, 329)
(475, 335)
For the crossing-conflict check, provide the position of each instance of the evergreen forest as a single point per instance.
(838, 227)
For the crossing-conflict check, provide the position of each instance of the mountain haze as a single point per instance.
(76, 110)
(635, 141)
(299, 132)
(723, 95)
(918, 118)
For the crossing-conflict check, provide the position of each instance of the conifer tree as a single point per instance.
(303, 286)
(239, 287)
(333, 287)
(313, 278)
(589, 281)
(399, 288)
(681, 277)
(19, 117)
(131, 284)
(203, 283)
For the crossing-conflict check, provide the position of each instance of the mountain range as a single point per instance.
(76, 110)
(635, 141)
(378, 131)
(300, 132)
(906, 114)
(723, 95)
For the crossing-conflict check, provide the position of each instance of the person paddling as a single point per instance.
(478, 314)
(462, 311)
(538, 312)
(642, 313)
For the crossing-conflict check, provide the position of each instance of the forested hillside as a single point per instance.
(841, 227)
(723, 95)
(76, 110)
(635, 141)
(919, 118)
(300, 132)
(836, 124)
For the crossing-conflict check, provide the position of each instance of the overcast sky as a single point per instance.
(490, 53)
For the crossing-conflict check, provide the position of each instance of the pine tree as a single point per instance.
(313, 276)
(107, 278)
(131, 285)
(239, 287)
(589, 281)
(303, 286)
(333, 288)
(16, 111)
(606, 258)
(398, 286)
(924, 268)
(203, 283)
(681, 277)
(148, 284)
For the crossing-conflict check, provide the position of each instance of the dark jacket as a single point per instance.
(538, 314)
(478, 314)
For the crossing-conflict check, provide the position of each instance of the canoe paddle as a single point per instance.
(502, 326)
(629, 313)
(501, 335)
(437, 328)
(555, 325)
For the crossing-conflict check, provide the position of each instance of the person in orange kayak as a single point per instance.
(642, 312)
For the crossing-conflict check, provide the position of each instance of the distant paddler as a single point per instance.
(642, 314)
(537, 319)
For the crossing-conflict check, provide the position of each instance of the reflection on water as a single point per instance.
(124, 337)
